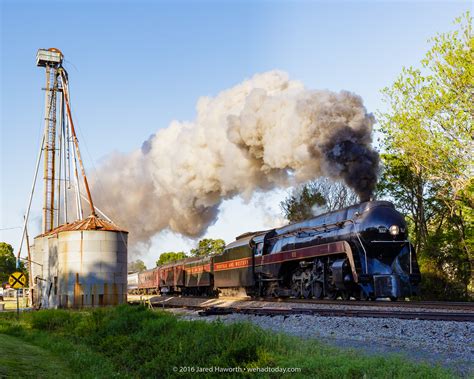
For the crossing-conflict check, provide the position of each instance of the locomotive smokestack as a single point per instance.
(264, 133)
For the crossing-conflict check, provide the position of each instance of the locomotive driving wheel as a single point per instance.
(301, 285)
(296, 288)
(345, 295)
(331, 294)
(318, 290)
(307, 285)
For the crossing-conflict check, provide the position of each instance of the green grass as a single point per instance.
(23, 360)
(136, 342)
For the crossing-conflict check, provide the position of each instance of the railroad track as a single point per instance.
(448, 305)
(381, 303)
(292, 308)
(407, 315)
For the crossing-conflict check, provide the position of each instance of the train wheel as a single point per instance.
(365, 297)
(345, 295)
(318, 290)
(297, 284)
(331, 294)
(307, 292)
(296, 289)
(307, 287)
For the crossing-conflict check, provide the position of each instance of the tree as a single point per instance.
(208, 247)
(316, 197)
(170, 256)
(136, 266)
(8, 263)
(428, 142)
(413, 194)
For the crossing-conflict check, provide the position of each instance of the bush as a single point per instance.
(435, 286)
(53, 320)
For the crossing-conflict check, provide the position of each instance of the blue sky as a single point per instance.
(136, 65)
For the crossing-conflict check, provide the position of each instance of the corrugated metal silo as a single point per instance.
(84, 264)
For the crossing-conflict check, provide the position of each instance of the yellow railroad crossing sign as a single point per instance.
(17, 280)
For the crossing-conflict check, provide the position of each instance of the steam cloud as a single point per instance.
(266, 132)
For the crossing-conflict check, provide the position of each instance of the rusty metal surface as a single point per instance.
(81, 268)
(90, 223)
(148, 279)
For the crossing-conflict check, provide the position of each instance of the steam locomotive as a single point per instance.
(361, 251)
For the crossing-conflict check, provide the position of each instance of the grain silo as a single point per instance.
(85, 264)
(80, 262)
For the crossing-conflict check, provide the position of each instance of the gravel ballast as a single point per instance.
(447, 343)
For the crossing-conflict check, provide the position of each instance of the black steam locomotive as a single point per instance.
(361, 251)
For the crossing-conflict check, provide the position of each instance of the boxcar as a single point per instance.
(147, 281)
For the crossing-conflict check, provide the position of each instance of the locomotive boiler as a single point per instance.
(361, 251)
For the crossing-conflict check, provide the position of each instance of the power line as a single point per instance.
(14, 227)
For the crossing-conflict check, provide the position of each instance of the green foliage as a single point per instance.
(208, 247)
(8, 263)
(431, 109)
(135, 342)
(51, 320)
(427, 135)
(136, 266)
(315, 197)
(299, 204)
(170, 256)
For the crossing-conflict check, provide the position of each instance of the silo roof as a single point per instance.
(90, 223)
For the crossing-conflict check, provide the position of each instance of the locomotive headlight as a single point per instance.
(394, 230)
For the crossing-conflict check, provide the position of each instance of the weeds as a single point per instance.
(136, 342)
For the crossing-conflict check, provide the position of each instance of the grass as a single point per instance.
(23, 360)
(136, 342)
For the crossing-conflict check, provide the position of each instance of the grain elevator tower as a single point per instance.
(76, 261)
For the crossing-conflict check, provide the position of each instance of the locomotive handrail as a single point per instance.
(402, 241)
(324, 227)
(361, 244)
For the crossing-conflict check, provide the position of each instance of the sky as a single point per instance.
(134, 66)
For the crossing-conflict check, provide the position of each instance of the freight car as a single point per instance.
(148, 282)
(361, 251)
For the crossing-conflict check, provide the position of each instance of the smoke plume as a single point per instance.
(264, 133)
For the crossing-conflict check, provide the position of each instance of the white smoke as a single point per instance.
(266, 132)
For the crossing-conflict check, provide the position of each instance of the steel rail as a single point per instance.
(321, 312)
(265, 310)
(379, 303)
(447, 305)
(407, 315)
